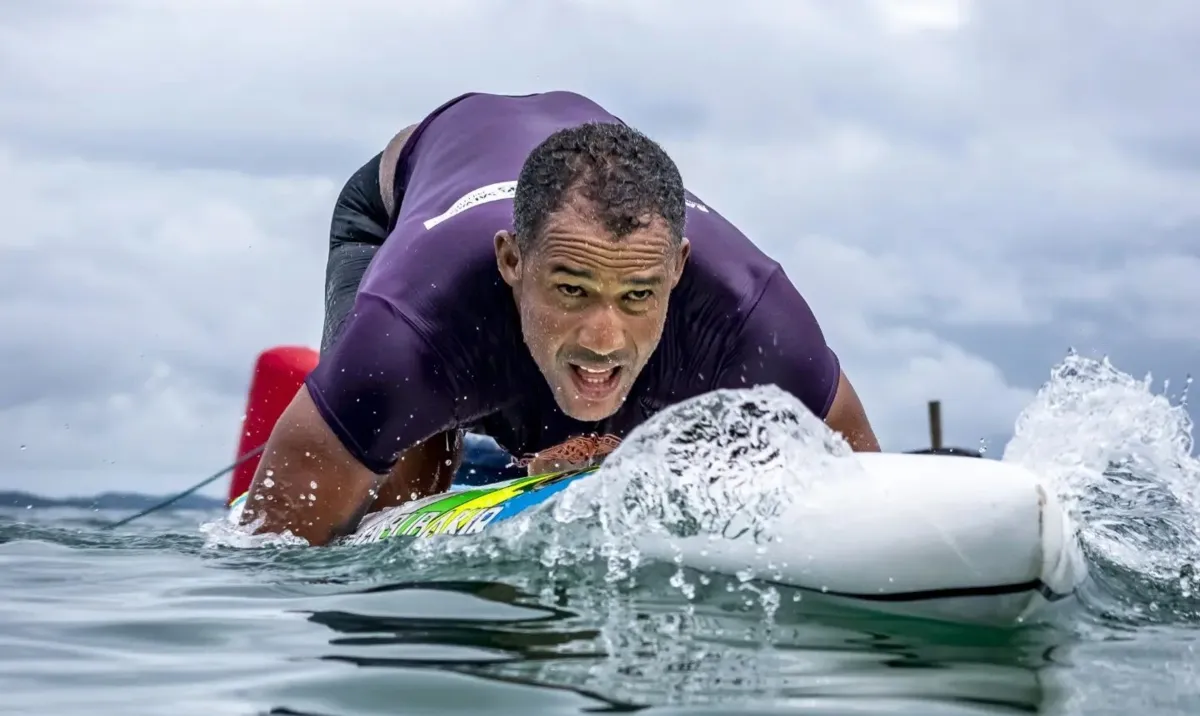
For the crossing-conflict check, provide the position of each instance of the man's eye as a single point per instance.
(640, 295)
(569, 290)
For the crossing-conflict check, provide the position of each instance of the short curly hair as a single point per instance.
(621, 173)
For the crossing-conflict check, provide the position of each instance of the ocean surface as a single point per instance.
(178, 614)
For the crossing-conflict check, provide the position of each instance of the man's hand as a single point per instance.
(848, 417)
(573, 454)
(308, 483)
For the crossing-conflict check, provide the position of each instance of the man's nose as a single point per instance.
(602, 332)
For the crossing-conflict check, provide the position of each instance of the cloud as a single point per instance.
(961, 189)
(133, 302)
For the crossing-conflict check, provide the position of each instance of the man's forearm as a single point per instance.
(425, 469)
(848, 417)
(307, 483)
(291, 493)
(862, 440)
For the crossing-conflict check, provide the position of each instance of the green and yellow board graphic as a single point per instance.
(461, 512)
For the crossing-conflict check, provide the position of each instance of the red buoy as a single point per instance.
(278, 374)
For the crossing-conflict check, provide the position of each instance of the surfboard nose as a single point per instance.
(944, 537)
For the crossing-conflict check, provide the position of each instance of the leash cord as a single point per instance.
(175, 498)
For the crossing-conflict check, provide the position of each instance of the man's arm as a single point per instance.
(370, 416)
(308, 483)
(847, 416)
(422, 470)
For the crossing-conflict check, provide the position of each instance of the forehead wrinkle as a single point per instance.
(614, 255)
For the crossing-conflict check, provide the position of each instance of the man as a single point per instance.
(547, 281)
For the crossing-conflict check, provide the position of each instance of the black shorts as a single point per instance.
(359, 226)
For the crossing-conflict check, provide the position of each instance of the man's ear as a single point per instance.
(508, 257)
(683, 252)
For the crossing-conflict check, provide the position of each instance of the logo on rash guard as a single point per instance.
(482, 195)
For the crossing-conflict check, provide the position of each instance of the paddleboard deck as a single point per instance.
(943, 537)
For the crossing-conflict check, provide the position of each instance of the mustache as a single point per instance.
(582, 356)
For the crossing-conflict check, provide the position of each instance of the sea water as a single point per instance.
(177, 614)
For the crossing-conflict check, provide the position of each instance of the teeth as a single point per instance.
(592, 375)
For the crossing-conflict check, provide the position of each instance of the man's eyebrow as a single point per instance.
(571, 271)
(649, 281)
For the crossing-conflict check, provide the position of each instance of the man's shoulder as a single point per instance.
(730, 307)
(726, 272)
(448, 264)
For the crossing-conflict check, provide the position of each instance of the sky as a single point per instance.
(962, 190)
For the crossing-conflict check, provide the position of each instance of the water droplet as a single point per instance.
(268, 482)
(313, 484)
(23, 447)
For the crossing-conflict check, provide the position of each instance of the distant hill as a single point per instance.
(108, 501)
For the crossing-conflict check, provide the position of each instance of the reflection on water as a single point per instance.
(466, 645)
(710, 653)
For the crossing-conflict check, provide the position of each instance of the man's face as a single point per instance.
(592, 306)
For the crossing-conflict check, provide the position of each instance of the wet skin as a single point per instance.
(592, 305)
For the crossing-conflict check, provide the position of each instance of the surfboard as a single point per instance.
(950, 538)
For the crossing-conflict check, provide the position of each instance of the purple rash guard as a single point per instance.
(434, 340)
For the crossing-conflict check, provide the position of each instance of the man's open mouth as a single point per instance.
(594, 382)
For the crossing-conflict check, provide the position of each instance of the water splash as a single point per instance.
(1119, 456)
(725, 464)
(225, 531)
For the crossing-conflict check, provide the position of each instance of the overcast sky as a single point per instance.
(961, 190)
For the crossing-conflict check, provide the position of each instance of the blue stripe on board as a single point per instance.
(522, 502)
